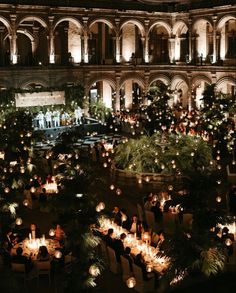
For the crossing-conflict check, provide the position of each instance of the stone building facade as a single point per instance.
(118, 54)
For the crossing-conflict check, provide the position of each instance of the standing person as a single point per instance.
(78, 115)
(59, 233)
(48, 117)
(56, 118)
(40, 118)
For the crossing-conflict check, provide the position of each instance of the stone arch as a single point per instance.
(135, 22)
(24, 84)
(223, 20)
(135, 77)
(198, 78)
(205, 19)
(74, 20)
(161, 23)
(34, 18)
(162, 77)
(103, 20)
(181, 26)
(180, 87)
(6, 23)
(104, 77)
(27, 33)
(198, 84)
(223, 83)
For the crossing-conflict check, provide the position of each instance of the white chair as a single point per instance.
(125, 267)
(150, 220)
(187, 221)
(19, 270)
(142, 285)
(169, 222)
(114, 266)
(140, 212)
(44, 268)
(104, 253)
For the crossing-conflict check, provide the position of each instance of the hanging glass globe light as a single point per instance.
(19, 221)
(131, 282)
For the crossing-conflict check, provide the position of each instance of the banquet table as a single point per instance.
(32, 251)
(151, 255)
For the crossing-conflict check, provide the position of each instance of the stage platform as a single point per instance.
(54, 133)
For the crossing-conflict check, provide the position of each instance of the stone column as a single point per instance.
(13, 38)
(2, 29)
(85, 47)
(190, 53)
(117, 96)
(51, 41)
(146, 42)
(128, 94)
(172, 49)
(214, 18)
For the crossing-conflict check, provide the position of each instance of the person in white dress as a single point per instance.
(40, 118)
(78, 115)
(56, 118)
(48, 117)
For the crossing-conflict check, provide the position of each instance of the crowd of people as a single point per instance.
(57, 118)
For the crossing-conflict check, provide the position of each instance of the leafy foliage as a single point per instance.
(99, 111)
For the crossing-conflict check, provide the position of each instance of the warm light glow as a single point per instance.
(131, 282)
(19, 221)
(94, 270)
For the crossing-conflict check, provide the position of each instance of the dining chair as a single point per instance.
(142, 285)
(125, 267)
(44, 268)
(19, 270)
(150, 220)
(187, 221)
(114, 266)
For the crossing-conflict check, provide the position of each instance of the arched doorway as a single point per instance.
(159, 43)
(131, 94)
(101, 43)
(68, 41)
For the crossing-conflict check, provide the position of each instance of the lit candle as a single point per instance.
(30, 236)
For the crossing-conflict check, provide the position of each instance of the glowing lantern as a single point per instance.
(112, 187)
(131, 282)
(228, 242)
(118, 191)
(101, 205)
(104, 165)
(6, 189)
(58, 254)
(218, 199)
(98, 210)
(149, 268)
(170, 187)
(94, 270)
(19, 221)
(26, 202)
(51, 232)
(32, 189)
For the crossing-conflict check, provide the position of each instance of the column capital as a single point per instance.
(51, 19)
(214, 18)
(85, 19)
(13, 17)
(146, 22)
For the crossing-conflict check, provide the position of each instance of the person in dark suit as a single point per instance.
(119, 246)
(127, 255)
(116, 215)
(35, 231)
(125, 220)
(108, 238)
(136, 226)
(139, 261)
(19, 258)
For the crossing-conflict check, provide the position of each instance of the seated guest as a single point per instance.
(157, 211)
(19, 258)
(35, 232)
(59, 233)
(136, 226)
(161, 239)
(119, 246)
(149, 203)
(116, 215)
(125, 219)
(108, 238)
(10, 239)
(43, 254)
(139, 261)
(127, 254)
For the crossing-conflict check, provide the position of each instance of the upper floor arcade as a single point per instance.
(37, 35)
